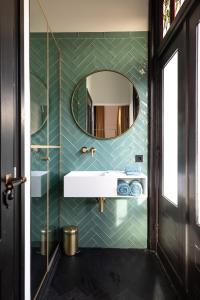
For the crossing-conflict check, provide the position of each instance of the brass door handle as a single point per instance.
(10, 183)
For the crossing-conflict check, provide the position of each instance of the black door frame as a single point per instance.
(12, 59)
(158, 47)
(172, 244)
(21, 75)
(194, 229)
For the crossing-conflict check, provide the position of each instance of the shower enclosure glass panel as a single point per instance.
(53, 139)
(45, 145)
(39, 136)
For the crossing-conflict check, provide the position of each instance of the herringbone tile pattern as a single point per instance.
(38, 66)
(124, 222)
(79, 107)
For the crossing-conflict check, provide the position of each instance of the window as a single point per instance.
(170, 10)
(198, 126)
(170, 130)
(166, 16)
(177, 6)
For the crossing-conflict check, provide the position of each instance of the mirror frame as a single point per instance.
(72, 98)
(42, 125)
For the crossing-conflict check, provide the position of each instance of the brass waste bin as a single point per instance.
(43, 245)
(70, 240)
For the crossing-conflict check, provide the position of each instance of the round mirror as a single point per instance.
(105, 104)
(38, 103)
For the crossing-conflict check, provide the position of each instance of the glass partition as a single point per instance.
(39, 136)
(54, 139)
(45, 145)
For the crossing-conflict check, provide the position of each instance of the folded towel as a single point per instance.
(133, 173)
(123, 188)
(136, 188)
(134, 169)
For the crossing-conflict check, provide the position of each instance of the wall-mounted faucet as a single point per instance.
(101, 201)
(91, 150)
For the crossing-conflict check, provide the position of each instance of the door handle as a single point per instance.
(10, 183)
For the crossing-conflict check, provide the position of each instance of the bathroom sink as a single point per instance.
(38, 183)
(89, 184)
(97, 184)
(86, 173)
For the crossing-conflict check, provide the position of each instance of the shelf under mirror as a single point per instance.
(45, 147)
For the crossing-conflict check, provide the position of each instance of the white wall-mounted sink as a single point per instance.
(38, 183)
(88, 184)
(96, 184)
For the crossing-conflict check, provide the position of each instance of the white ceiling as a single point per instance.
(91, 15)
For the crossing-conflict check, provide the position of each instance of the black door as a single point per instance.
(194, 154)
(173, 139)
(10, 206)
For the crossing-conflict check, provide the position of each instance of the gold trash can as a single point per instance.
(70, 240)
(43, 245)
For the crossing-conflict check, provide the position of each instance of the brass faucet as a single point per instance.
(85, 150)
(93, 150)
(101, 201)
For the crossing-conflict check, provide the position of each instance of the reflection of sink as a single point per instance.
(38, 183)
(89, 184)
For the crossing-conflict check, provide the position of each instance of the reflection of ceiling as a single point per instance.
(93, 15)
(37, 19)
(109, 88)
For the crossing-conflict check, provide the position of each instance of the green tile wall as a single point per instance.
(124, 222)
(54, 139)
(81, 108)
(38, 67)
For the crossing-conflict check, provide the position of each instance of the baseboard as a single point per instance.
(50, 274)
(171, 274)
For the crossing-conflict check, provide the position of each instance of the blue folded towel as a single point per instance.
(134, 169)
(132, 173)
(136, 188)
(123, 188)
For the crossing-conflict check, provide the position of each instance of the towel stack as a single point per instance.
(134, 188)
(123, 188)
(134, 169)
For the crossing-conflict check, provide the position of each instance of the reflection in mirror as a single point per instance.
(45, 138)
(38, 103)
(39, 167)
(105, 104)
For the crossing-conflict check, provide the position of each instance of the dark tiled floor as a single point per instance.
(107, 274)
(38, 269)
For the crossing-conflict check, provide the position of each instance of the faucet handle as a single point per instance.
(84, 149)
